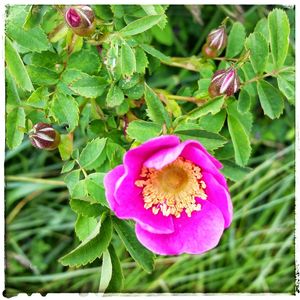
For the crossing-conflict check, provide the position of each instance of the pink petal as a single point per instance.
(195, 235)
(219, 196)
(202, 160)
(110, 181)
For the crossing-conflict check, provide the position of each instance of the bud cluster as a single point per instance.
(44, 136)
(81, 19)
(224, 82)
(215, 43)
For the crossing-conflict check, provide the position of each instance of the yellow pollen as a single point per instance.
(172, 189)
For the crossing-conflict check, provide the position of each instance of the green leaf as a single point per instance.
(259, 51)
(262, 28)
(155, 109)
(155, 53)
(34, 39)
(14, 121)
(71, 179)
(270, 99)
(240, 140)
(236, 40)
(65, 146)
(209, 140)
(34, 16)
(115, 96)
(91, 248)
(244, 101)
(140, 25)
(96, 191)
(136, 92)
(279, 29)
(68, 166)
(143, 130)
(139, 253)
(12, 94)
(117, 279)
(86, 61)
(141, 60)
(213, 123)
(84, 226)
(91, 152)
(42, 76)
(88, 86)
(86, 208)
(127, 59)
(38, 98)
(65, 110)
(233, 171)
(286, 84)
(165, 35)
(106, 271)
(16, 67)
(212, 106)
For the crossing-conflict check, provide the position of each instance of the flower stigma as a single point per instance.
(172, 189)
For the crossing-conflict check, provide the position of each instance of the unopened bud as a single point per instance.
(44, 136)
(215, 43)
(81, 19)
(224, 82)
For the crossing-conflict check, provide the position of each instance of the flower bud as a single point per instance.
(44, 136)
(224, 82)
(81, 19)
(215, 43)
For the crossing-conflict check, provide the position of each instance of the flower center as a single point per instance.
(172, 189)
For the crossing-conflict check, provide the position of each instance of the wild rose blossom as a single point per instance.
(175, 193)
(224, 82)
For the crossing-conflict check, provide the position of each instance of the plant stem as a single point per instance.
(163, 96)
(82, 169)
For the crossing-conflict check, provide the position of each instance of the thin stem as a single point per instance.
(163, 96)
(82, 169)
(273, 73)
(34, 180)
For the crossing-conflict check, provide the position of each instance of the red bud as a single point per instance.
(44, 136)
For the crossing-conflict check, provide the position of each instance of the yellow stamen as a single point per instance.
(173, 188)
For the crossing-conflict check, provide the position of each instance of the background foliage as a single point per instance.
(146, 75)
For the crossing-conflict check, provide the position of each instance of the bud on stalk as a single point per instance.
(215, 43)
(81, 19)
(44, 136)
(224, 82)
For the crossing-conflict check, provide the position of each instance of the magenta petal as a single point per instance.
(195, 235)
(204, 162)
(219, 196)
(110, 182)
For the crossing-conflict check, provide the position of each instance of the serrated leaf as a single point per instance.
(91, 248)
(233, 171)
(84, 226)
(140, 25)
(42, 76)
(262, 28)
(91, 152)
(117, 279)
(213, 123)
(65, 146)
(141, 60)
(138, 252)
(65, 110)
(88, 86)
(127, 60)
(236, 40)
(96, 191)
(38, 98)
(244, 101)
(286, 84)
(155, 53)
(209, 140)
(259, 51)
(68, 166)
(143, 130)
(34, 16)
(270, 99)
(212, 106)
(106, 271)
(279, 29)
(71, 179)
(16, 67)
(86, 208)
(14, 121)
(155, 109)
(240, 140)
(115, 96)
(12, 94)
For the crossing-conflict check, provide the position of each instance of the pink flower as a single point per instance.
(175, 193)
